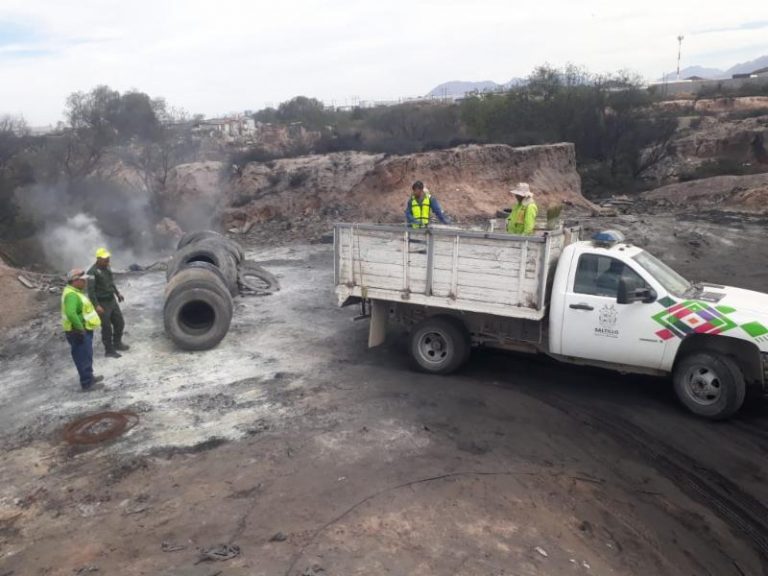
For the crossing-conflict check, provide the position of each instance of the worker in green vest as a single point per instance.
(421, 206)
(79, 319)
(522, 220)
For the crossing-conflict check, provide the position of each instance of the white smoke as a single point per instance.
(73, 244)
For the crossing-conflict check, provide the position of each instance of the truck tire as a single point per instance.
(196, 236)
(211, 236)
(212, 252)
(256, 280)
(198, 309)
(709, 385)
(439, 345)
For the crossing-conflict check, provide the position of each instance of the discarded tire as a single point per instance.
(205, 273)
(211, 236)
(198, 309)
(211, 252)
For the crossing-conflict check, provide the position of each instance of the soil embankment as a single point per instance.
(470, 182)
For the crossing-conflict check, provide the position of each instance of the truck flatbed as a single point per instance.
(446, 267)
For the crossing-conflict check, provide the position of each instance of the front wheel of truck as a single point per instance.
(439, 345)
(710, 385)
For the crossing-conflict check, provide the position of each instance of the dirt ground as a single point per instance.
(317, 456)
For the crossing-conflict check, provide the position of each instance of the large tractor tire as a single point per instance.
(209, 251)
(198, 309)
(210, 236)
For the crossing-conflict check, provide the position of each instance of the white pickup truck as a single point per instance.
(602, 302)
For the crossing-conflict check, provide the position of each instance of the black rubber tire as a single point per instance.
(196, 277)
(439, 345)
(205, 266)
(211, 252)
(727, 379)
(211, 236)
(196, 236)
(198, 309)
(267, 282)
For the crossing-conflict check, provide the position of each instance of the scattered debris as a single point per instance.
(220, 552)
(168, 547)
(279, 537)
(136, 506)
(85, 570)
(100, 427)
(314, 570)
(541, 551)
(42, 282)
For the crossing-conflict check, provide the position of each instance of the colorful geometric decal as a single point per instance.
(756, 330)
(691, 317)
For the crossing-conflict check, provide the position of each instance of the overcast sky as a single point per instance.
(221, 56)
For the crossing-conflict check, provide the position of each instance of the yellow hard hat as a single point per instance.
(102, 253)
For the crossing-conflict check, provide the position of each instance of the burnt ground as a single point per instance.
(317, 456)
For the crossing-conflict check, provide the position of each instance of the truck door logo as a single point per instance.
(607, 318)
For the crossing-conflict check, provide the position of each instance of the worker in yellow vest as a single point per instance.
(421, 206)
(79, 319)
(522, 220)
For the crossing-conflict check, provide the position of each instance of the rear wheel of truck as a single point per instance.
(710, 385)
(439, 345)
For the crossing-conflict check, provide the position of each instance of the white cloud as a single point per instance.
(214, 57)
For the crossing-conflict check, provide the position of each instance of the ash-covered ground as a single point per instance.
(318, 456)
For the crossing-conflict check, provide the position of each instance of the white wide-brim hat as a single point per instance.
(522, 189)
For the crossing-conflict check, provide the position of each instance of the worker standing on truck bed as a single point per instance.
(105, 295)
(421, 205)
(522, 220)
(79, 320)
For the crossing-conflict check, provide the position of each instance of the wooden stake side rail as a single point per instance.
(465, 270)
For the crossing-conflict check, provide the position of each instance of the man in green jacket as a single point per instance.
(79, 319)
(522, 220)
(106, 297)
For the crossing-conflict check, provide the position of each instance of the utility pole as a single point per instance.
(679, 51)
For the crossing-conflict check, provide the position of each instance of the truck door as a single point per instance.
(596, 327)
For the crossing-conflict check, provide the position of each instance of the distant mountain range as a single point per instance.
(460, 88)
(716, 73)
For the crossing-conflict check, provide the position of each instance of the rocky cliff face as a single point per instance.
(725, 193)
(470, 181)
(733, 130)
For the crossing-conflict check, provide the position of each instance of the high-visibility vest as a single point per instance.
(517, 218)
(420, 212)
(91, 318)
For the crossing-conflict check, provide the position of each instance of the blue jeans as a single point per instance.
(82, 354)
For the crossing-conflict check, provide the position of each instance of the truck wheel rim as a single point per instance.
(433, 347)
(703, 385)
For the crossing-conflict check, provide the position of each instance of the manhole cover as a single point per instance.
(99, 427)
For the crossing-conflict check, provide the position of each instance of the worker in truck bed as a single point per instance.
(522, 220)
(421, 205)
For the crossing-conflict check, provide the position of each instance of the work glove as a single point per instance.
(120, 298)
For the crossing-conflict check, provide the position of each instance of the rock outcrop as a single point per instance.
(470, 182)
(726, 193)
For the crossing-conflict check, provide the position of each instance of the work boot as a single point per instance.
(93, 387)
(112, 354)
(122, 347)
(97, 379)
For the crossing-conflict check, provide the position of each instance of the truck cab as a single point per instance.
(616, 305)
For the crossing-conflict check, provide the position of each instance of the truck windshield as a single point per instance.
(671, 280)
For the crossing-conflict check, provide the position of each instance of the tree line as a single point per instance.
(102, 128)
(608, 117)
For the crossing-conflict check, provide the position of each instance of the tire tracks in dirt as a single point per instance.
(743, 513)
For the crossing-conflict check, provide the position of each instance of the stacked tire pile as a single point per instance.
(202, 280)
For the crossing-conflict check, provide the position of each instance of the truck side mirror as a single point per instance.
(627, 295)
